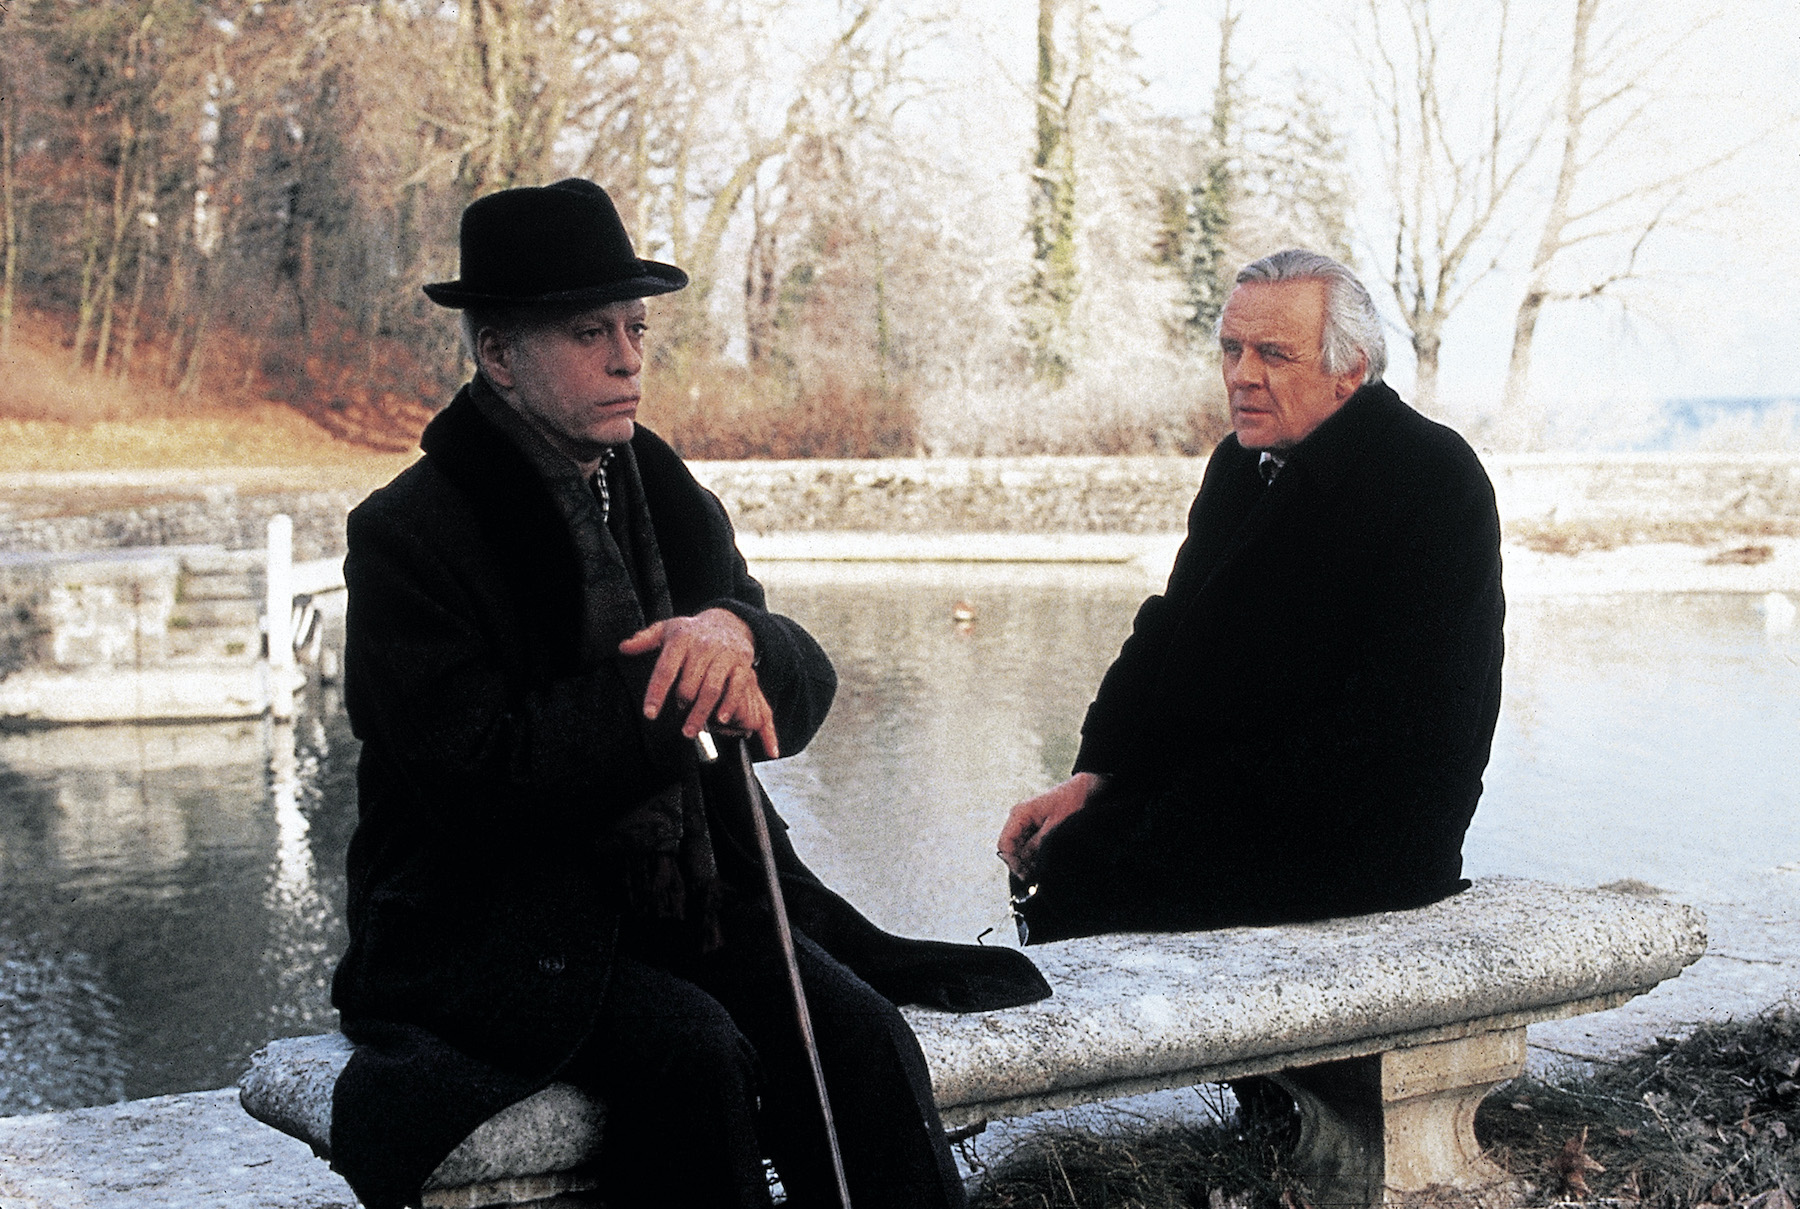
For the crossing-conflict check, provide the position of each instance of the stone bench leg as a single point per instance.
(1376, 1129)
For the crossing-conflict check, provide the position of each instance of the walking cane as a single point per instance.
(785, 935)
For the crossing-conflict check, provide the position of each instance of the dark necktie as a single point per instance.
(1268, 466)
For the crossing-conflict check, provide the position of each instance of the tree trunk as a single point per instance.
(1426, 343)
(129, 344)
(196, 357)
(90, 254)
(1210, 205)
(884, 334)
(760, 295)
(1518, 427)
(206, 302)
(1054, 283)
(9, 208)
(124, 188)
(176, 303)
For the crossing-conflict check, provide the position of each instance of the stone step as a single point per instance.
(220, 562)
(236, 614)
(213, 643)
(219, 585)
(197, 689)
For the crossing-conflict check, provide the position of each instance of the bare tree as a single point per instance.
(1062, 74)
(1610, 93)
(10, 220)
(1202, 249)
(1267, 172)
(1450, 169)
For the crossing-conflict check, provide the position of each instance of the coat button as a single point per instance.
(552, 964)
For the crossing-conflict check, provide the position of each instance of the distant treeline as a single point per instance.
(219, 197)
(240, 198)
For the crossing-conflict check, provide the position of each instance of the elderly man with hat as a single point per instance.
(544, 884)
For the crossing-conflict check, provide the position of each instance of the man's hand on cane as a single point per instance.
(708, 663)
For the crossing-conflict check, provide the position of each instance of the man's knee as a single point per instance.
(862, 1036)
(662, 1040)
(708, 1060)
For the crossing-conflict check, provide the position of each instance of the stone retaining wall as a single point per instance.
(1151, 495)
(1135, 495)
(958, 495)
(214, 517)
(1646, 488)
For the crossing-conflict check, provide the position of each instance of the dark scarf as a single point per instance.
(661, 846)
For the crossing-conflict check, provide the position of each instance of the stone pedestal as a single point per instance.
(1383, 1128)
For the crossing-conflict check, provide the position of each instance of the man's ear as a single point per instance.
(494, 355)
(1349, 382)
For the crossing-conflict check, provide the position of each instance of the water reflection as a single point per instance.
(202, 905)
(941, 725)
(300, 953)
(171, 896)
(59, 1030)
(1649, 737)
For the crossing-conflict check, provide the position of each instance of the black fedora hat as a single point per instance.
(560, 244)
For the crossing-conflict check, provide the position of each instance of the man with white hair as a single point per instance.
(1297, 727)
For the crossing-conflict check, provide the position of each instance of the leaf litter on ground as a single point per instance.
(1709, 1119)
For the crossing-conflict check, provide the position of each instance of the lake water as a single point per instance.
(171, 896)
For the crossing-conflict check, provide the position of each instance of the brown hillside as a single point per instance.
(54, 417)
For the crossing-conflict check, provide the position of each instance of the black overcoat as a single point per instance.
(1307, 708)
(502, 740)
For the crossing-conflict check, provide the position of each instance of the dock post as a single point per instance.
(278, 612)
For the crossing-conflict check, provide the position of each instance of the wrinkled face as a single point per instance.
(1271, 338)
(575, 379)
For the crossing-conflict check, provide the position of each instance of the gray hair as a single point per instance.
(1352, 327)
(511, 323)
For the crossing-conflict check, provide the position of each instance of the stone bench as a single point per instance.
(1388, 1029)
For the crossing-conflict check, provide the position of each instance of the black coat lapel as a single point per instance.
(687, 517)
(562, 569)
(1316, 465)
(1241, 514)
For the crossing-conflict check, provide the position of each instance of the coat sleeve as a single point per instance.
(1112, 729)
(792, 668)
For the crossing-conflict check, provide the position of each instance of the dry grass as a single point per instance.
(39, 382)
(54, 417)
(1709, 1121)
(265, 435)
(710, 409)
(1581, 537)
(1132, 1165)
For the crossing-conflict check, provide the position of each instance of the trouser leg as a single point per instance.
(679, 1081)
(887, 1122)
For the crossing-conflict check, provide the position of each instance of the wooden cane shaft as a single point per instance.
(783, 933)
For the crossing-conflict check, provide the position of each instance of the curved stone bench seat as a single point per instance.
(1388, 1029)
